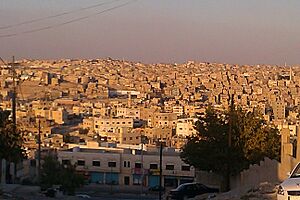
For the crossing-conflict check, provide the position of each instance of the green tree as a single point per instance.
(11, 139)
(70, 180)
(54, 173)
(50, 172)
(228, 142)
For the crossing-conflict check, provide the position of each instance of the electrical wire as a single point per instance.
(67, 22)
(55, 16)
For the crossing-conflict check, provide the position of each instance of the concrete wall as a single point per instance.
(266, 171)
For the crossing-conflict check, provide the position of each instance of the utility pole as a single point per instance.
(160, 169)
(143, 141)
(14, 96)
(142, 163)
(231, 107)
(230, 119)
(14, 105)
(39, 151)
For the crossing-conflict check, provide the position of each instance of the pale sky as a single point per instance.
(223, 31)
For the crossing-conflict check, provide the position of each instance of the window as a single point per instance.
(124, 138)
(80, 162)
(112, 164)
(123, 122)
(153, 166)
(138, 165)
(96, 163)
(185, 168)
(130, 138)
(96, 126)
(137, 137)
(169, 167)
(32, 163)
(126, 163)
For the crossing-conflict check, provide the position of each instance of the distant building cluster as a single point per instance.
(98, 113)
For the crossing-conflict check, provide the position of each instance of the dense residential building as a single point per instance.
(112, 102)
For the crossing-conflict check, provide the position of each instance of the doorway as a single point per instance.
(126, 180)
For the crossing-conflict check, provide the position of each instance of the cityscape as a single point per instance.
(109, 116)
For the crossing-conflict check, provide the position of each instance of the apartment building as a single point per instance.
(128, 166)
(279, 110)
(108, 124)
(128, 112)
(162, 120)
(185, 127)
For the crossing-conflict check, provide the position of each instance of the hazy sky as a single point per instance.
(225, 31)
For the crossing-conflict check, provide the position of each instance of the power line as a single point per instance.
(55, 16)
(67, 22)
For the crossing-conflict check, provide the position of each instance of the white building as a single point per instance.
(128, 166)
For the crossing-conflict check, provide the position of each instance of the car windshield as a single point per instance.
(296, 172)
(181, 187)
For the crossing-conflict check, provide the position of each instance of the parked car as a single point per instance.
(83, 196)
(50, 192)
(290, 188)
(156, 188)
(190, 190)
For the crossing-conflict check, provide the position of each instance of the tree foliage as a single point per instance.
(213, 149)
(11, 139)
(54, 173)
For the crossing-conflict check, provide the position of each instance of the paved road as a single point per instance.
(96, 192)
(118, 192)
(123, 197)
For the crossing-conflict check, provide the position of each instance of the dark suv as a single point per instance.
(190, 190)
